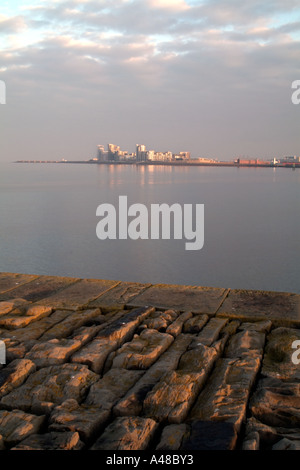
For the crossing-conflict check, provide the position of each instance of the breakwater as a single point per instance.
(110, 365)
(190, 163)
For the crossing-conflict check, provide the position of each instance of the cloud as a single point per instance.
(177, 5)
(10, 25)
(158, 70)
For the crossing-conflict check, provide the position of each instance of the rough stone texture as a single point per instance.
(15, 374)
(160, 320)
(53, 352)
(143, 350)
(20, 317)
(176, 327)
(195, 324)
(16, 425)
(51, 441)
(278, 354)
(173, 436)
(49, 386)
(193, 368)
(277, 403)
(88, 421)
(172, 398)
(109, 339)
(226, 394)
(127, 434)
(282, 308)
(211, 331)
(132, 404)
(8, 306)
(70, 323)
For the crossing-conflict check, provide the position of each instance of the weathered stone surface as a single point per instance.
(211, 331)
(53, 352)
(268, 435)
(49, 386)
(210, 435)
(195, 324)
(280, 307)
(11, 281)
(110, 338)
(124, 433)
(251, 442)
(111, 387)
(244, 343)
(9, 305)
(36, 329)
(143, 350)
(51, 441)
(39, 287)
(226, 394)
(276, 403)
(263, 326)
(278, 354)
(119, 295)
(79, 293)
(88, 421)
(160, 320)
(70, 323)
(194, 387)
(132, 404)
(16, 425)
(286, 444)
(171, 399)
(193, 298)
(172, 436)
(95, 354)
(19, 319)
(176, 327)
(16, 350)
(15, 374)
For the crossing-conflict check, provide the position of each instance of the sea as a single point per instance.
(251, 224)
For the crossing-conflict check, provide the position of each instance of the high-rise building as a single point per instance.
(113, 152)
(141, 153)
(102, 155)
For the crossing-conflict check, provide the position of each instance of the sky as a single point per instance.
(212, 77)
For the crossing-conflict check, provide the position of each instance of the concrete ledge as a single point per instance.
(111, 365)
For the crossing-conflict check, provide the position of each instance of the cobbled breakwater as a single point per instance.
(109, 365)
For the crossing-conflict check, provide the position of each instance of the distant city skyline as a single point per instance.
(210, 77)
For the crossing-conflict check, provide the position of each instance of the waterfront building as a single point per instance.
(141, 153)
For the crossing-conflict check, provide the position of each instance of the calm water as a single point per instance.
(252, 224)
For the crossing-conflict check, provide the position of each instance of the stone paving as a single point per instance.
(108, 365)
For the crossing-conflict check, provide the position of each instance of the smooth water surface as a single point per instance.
(252, 224)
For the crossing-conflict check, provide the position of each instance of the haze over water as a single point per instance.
(252, 223)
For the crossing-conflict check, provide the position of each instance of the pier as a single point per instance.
(95, 364)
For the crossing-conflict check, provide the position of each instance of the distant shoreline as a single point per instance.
(180, 163)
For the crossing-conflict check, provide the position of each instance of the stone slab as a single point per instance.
(78, 294)
(51, 441)
(38, 288)
(281, 308)
(10, 281)
(120, 295)
(132, 433)
(194, 298)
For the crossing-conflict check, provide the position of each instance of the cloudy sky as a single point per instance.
(209, 76)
